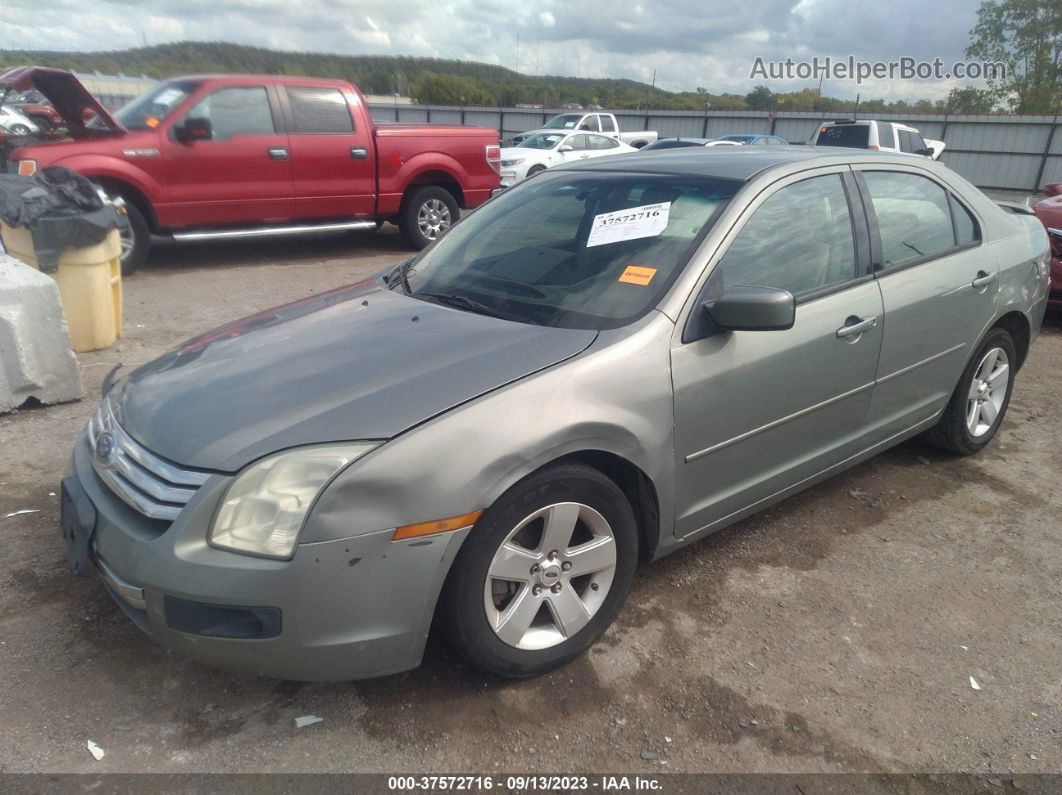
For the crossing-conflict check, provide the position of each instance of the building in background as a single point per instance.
(113, 91)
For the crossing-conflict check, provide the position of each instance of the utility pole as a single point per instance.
(855, 110)
(536, 57)
(517, 68)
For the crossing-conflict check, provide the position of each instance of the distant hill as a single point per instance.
(429, 80)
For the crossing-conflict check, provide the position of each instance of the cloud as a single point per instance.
(687, 43)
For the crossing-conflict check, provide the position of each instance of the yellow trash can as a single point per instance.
(90, 285)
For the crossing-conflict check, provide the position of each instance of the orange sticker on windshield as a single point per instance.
(151, 121)
(636, 274)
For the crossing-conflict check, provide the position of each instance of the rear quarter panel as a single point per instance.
(408, 152)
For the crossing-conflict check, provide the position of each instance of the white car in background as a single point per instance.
(540, 150)
(14, 123)
(882, 136)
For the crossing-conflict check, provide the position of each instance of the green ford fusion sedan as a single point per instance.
(599, 366)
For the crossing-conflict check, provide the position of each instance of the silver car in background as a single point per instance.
(597, 367)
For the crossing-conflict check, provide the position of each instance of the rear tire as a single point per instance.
(19, 129)
(546, 610)
(427, 214)
(977, 407)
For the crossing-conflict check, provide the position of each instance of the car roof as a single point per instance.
(737, 163)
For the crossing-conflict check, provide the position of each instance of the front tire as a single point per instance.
(427, 214)
(543, 574)
(136, 240)
(534, 170)
(976, 409)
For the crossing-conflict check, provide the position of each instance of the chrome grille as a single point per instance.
(151, 485)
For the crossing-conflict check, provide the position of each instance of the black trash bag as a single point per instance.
(62, 210)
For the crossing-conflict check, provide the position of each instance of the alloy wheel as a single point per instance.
(550, 576)
(988, 390)
(433, 218)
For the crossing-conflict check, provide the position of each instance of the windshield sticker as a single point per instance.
(649, 220)
(636, 274)
(169, 96)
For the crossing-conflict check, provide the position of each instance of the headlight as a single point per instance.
(511, 163)
(265, 506)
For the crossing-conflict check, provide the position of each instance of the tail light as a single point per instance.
(494, 157)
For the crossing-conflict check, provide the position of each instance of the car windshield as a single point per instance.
(741, 139)
(571, 249)
(566, 121)
(149, 110)
(542, 141)
(856, 135)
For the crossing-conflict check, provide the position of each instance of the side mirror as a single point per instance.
(753, 309)
(193, 129)
(928, 151)
(566, 148)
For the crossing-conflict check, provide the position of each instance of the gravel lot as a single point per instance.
(836, 632)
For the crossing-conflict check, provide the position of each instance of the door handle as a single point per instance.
(359, 153)
(855, 326)
(278, 154)
(983, 280)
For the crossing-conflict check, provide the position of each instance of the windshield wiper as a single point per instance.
(400, 274)
(472, 305)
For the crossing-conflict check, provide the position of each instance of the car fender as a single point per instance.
(113, 168)
(425, 162)
(463, 460)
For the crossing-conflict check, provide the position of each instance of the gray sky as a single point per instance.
(688, 42)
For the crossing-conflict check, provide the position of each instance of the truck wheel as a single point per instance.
(19, 129)
(136, 240)
(427, 214)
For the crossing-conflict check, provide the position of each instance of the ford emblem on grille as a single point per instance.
(106, 449)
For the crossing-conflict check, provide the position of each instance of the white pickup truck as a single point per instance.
(591, 121)
(885, 136)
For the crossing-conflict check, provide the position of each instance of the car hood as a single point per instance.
(359, 362)
(66, 93)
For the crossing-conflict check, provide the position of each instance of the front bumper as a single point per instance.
(349, 609)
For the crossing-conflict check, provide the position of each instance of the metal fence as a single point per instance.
(997, 152)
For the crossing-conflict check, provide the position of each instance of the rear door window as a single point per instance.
(886, 136)
(607, 125)
(319, 110)
(966, 229)
(602, 142)
(913, 215)
(856, 135)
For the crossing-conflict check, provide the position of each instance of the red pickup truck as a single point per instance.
(206, 157)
